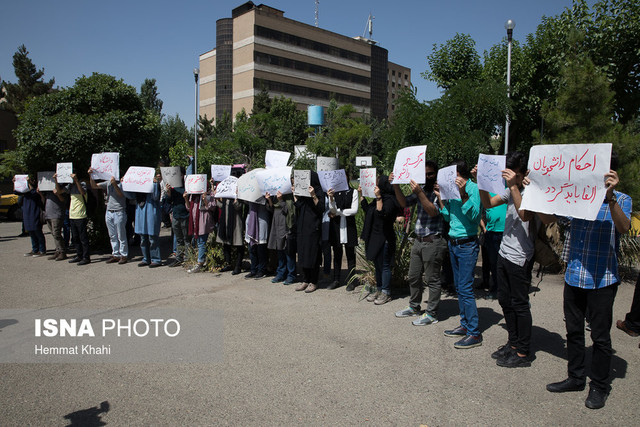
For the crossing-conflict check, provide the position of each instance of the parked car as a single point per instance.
(9, 207)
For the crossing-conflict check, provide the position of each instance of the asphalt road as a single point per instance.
(291, 358)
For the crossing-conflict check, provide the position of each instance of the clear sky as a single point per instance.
(137, 39)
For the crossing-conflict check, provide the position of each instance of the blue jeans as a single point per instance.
(37, 241)
(383, 268)
(150, 247)
(116, 225)
(463, 261)
(286, 266)
(202, 248)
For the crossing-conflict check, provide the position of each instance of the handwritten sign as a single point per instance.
(195, 184)
(276, 159)
(226, 188)
(20, 185)
(368, 182)
(301, 182)
(327, 163)
(138, 179)
(64, 171)
(409, 165)
(567, 180)
(220, 172)
(248, 186)
(46, 181)
(447, 183)
(105, 165)
(274, 180)
(490, 173)
(171, 175)
(333, 179)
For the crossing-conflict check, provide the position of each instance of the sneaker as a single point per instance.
(195, 269)
(595, 399)
(311, 288)
(277, 280)
(502, 351)
(457, 332)
(289, 282)
(85, 262)
(408, 312)
(425, 319)
(373, 296)
(570, 384)
(31, 253)
(469, 341)
(512, 360)
(38, 254)
(143, 264)
(382, 299)
(302, 286)
(259, 276)
(112, 260)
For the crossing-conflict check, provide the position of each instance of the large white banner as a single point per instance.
(490, 169)
(368, 182)
(227, 188)
(301, 182)
(195, 184)
(336, 180)
(409, 165)
(20, 184)
(105, 166)
(327, 163)
(138, 179)
(274, 180)
(276, 159)
(248, 186)
(171, 175)
(447, 183)
(46, 181)
(220, 172)
(567, 180)
(63, 172)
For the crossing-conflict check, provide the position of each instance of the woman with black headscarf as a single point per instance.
(343, 207)
(379, 236)
(231, 227)
(309, 211)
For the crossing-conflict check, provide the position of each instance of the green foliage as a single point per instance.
(9, 164)
(456, 59)
(98, 113)
(149, 96)
(172, 131)
(30, 83)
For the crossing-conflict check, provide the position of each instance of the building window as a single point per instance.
(393, 72)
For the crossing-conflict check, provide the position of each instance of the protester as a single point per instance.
(147, 225)
(428, 250)
(379, 236)
(202, 208)
(631, 323)
(115, 217)
(179, 223)
(463, 216)
(55, 206)
(231, 228)
(257, 236)
(79, 220)
(32, 204)
(282, 236)
(492, 225)
(343, 207)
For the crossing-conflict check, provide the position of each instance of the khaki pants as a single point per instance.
(55, 227)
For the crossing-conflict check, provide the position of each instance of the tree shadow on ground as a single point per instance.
(88, 417)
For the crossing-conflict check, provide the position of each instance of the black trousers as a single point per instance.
(337, 261)
(79, 231)
(513, 296)
(632, 319)
(226, 251)
(599, 303)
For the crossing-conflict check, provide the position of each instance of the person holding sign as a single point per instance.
(147, 225)
(591, 283)
(343, 207)
(282, 238)
(202, 208)
(32, 206)
(257, 236)
(79, 220)
(428, 250)
(54, 212)
(463, 216)
(231, 228)
(179, 223)
(514, 257)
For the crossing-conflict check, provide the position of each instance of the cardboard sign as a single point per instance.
(490, 173)
(20, 185)
(276, 159)
(327, 163)
(220, 172)
(64, 171)
(138, 179)
(333, 179)
(46, 181)
(567, 180)
(368, 182)
(171, 175)
(248, 187)
(105, 166)
(227, 188)
(447, 183)
(409, 165)
(301, 182)
(195, 184)
(274, 180)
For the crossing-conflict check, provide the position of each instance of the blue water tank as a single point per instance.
(315, 114)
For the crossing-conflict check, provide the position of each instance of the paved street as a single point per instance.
(291, 358)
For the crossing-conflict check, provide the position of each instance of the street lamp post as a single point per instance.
(196, 72)
(509, 26)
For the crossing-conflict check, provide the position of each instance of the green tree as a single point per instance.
(30, 83)
(172, 130)
(456, 59)
(149, 96)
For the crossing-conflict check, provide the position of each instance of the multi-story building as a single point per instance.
(258, 48)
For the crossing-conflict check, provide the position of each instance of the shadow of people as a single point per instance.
(7, 322)
(88, 417)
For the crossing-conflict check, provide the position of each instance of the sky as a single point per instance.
(162, 39)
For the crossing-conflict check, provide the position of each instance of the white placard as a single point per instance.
(63, 172)
(248, 186)
(20, 185)
(490, 169)
(220, 172)
(368, 182)
(276, 159)
(172, 175)
(46, 181)
(409, 165)
(364, 161)
(274, 180)
(138, 179)
(105, 166)
(327, 163)
(567, 180)
(447, 183)
(336, 180)
(227, 188)
(195, 184)
(301, 182)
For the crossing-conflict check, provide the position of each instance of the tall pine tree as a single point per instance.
(30, 83)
